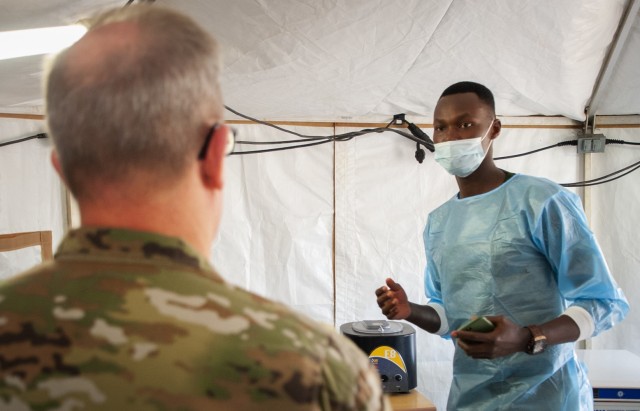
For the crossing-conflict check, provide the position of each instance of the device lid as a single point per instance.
(376, 327)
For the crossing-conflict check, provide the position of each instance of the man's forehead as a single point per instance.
(460, 105)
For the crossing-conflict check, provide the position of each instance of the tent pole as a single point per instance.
(611, 60)
(333, 242)
(586, 194)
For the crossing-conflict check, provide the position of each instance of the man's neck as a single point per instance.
(177, 215)
(481, 181)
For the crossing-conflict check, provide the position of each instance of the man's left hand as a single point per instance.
(505, 339)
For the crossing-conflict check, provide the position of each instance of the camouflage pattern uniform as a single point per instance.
(126, 320)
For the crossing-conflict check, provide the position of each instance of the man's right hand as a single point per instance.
(393, 301)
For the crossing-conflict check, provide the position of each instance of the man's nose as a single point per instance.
(449, 134)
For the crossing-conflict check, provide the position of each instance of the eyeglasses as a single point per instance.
(231, 138)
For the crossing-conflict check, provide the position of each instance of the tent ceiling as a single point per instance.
(366, 60)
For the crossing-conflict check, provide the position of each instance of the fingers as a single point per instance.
(474, 336)
(386, 298)
(388, 304)
(475, 344)
(383, 295)
(381, 290)
(390, 310)
(474, 350)
(393, 285)
(384, 301)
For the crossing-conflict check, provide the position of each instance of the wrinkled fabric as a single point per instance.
(522, 250)
(126, 320)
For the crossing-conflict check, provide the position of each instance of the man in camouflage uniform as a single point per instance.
(130, 315)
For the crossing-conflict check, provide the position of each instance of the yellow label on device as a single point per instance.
(390, 354)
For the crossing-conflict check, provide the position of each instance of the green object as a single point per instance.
(479, 324)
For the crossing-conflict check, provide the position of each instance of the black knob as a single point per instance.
(398, 377)
(384, 378)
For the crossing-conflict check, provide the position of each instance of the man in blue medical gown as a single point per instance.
(518, 250)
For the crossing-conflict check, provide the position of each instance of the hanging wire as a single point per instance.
(20, 140)
(304, 138)
(601, 180)
(308, 141)
(560, 144)
(596, 181)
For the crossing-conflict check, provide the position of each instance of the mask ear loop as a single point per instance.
(486, 133)
(485, 136)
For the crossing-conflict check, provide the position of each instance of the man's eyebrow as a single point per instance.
(457, 118)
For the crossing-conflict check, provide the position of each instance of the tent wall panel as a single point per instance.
(31, 196)
(320, 228)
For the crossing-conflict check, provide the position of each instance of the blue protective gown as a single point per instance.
(522, 250)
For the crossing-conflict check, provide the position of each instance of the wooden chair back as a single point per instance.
(16, 241)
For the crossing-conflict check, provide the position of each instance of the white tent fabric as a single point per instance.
(615, 221)
(31, 196)
(276, 233)
(349, 60)
(320, 228)
(281, 210)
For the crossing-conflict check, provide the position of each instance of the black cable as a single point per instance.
(129, 2)
(321, 139)
(405, 135)
(564, 143)
(339, 137)
(274, 142)
(599, 180)
(421, 136)
(560, 144)
(417, 136)
(614, 141)
(325, 139)
(265, 123)
(267, 150)
(602, 179)
(7, 143)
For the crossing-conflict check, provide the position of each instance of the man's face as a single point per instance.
(460, 116)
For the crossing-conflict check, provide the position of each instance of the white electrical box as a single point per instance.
(615, 378)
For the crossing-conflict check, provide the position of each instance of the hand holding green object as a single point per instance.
(477, 324)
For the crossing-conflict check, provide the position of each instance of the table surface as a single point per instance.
(410, 401)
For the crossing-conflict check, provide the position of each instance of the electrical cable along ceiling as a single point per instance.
(363, 60)
(367, 60)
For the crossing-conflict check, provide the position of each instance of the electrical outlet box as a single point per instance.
(591, 143)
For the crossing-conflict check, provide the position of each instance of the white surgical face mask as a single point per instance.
(462, 157)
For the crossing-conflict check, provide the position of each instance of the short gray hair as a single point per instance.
(144, 110)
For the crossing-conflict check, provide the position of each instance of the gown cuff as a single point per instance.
(583, 319)
(444, 325)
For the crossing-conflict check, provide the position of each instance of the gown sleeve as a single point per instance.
(562, 234)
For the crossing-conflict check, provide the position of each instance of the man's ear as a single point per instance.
(212, 166)
(495, 128)
(55, 160)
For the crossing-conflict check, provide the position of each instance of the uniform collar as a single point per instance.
(116, 244)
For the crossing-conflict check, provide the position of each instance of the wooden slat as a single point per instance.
(359, 125)
(46, 245)
(22, 116)
(16, 241)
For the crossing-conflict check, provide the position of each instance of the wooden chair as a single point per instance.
(16, 241)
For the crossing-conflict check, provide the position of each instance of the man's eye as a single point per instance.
(438, 128)
(466, 125)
